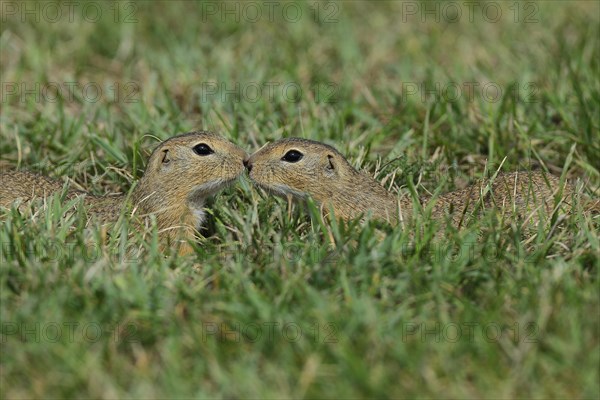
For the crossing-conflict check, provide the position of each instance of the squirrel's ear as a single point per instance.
(330, 159)
(165, 157)
(331, 167)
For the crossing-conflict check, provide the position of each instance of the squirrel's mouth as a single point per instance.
(279, 189)
(211, 188)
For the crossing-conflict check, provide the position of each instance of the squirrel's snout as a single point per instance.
(247, 164)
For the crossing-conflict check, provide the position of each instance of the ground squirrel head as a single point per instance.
(299, 167)
(186, 169)
(197, 162)
(302, 168)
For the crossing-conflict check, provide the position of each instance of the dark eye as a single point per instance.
(292, 156)
(202, 149)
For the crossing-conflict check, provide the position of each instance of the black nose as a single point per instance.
(248, 165)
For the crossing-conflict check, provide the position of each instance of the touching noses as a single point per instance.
(248, 164)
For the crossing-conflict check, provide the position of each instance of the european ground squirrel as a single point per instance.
(181, 174)
(300, 168)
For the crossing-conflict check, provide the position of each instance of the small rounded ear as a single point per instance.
(165, 156)
(331, 162)
(330, 166)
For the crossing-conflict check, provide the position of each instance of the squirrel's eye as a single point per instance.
(292, 156)
(202, 149)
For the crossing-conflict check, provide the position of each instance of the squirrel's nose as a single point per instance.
(248, 165)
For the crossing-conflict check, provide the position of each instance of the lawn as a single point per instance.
(275, 303)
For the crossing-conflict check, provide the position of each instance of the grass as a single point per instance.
(274, 303)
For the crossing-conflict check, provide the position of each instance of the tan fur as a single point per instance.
(325, 175)
(174, 186)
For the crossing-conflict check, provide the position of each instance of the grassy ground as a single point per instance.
(274, 303)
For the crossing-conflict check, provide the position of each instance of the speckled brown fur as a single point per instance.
(174, 187)
(325, 175)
